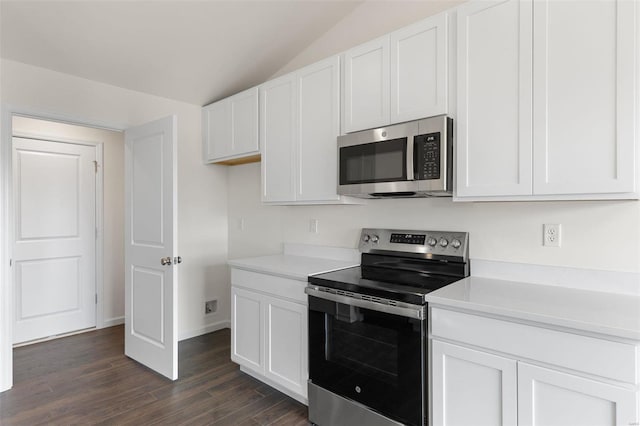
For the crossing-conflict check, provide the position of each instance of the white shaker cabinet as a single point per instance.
(278, 123)
(552, 398)
(247, 335)
(230, 127)
(584, 96)
(366, 86)
(473, 387)
(494, 98)
(399, 77)
(494, 371)
(269, 330)
(286, 344)
(547, 97)
(299, 126)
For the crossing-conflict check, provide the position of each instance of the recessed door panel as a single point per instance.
(48, 185)
(147, 191)
(147, 289)
(47, 287)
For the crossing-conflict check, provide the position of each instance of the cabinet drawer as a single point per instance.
(270, 284)
(614, 360)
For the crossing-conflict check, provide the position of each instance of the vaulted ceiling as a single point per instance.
(193, 51)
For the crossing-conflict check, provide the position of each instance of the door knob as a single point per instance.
(165, 261)
(177, 260)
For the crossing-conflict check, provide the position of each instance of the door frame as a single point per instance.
(6, 226)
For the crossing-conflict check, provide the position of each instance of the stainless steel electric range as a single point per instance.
(368, 328)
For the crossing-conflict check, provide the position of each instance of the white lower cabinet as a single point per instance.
(247, 335)
(269, 332)
(472, 387)
(580, 380)
(551, 398)
(286, 344)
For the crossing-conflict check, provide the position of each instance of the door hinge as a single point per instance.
(96, 233)
(95, 164)
(96, 298)
(10, 263)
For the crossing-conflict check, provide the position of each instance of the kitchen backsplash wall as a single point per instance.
(595, 234)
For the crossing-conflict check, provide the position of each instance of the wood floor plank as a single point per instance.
(86, 379)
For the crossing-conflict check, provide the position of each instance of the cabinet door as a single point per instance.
(216, 130)
(494, 98)
(286, 344)
(471, 387)
(319, 127)
(277, 138)
(584, 94)
(418, 70)
(247, 338)
(550, 398)
(366, 86)
(244, 122)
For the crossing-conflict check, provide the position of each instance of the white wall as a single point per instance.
(596, 235)
(202, 209)
(113, 199)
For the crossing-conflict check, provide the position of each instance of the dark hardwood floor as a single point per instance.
(86, 379)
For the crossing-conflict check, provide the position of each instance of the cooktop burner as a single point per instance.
(402, 265)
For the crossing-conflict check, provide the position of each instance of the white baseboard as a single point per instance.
(110, 322)
(203, 330)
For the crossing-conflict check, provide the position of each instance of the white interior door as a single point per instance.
(54, 201)
(151, 302)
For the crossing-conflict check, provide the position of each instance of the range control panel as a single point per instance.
(427, 244)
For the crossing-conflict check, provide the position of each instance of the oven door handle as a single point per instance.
(407, 310)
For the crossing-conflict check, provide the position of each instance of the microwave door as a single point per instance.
(376, 162)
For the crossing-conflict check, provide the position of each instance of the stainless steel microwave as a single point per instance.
(413, 159)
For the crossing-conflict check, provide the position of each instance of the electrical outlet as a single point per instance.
(313, 226)
(210, 306)
(551, 235)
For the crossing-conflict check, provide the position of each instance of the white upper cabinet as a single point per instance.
(399, 77)
(366, 85)
(299, 126)
(584, 96)
(230, 127)
(418, 57)
(494, 98)
(278, 124)
(318, 129)
(547, 97)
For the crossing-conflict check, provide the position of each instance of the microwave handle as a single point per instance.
(417, 312)
(410, 159)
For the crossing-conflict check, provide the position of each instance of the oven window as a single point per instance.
(371, 357)
(374, 162)
(370, 348)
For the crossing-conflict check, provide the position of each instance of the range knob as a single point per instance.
(366, 238)
(374, 238)
(444, 242)
(456, 244)
(432, 241)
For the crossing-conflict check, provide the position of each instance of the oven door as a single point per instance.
(370, 353)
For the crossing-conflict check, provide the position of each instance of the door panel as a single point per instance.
(551, 398)
(247, 329)
(494, 98)
(151, 313)
(54, 238)
(472, 387)
(584, 96)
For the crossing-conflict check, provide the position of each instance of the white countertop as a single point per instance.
(289, 266)
(608, 313)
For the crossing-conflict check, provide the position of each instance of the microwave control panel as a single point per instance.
(426, 151)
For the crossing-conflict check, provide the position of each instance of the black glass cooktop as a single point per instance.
(408, 282)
